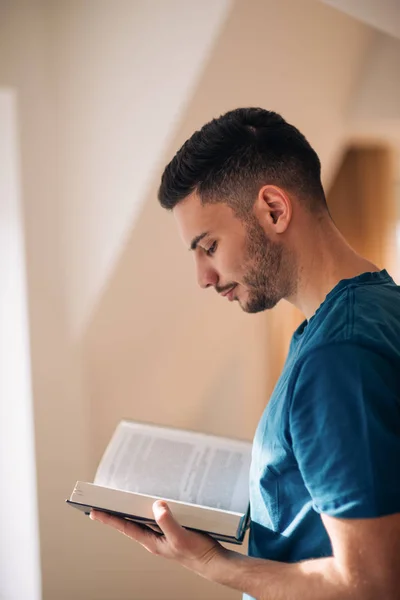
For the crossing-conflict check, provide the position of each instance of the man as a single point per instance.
(246, 194)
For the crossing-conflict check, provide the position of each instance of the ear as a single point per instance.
(273, 207)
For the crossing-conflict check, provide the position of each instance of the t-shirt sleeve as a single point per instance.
(344, 420)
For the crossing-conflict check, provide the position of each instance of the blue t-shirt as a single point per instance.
(329, 439)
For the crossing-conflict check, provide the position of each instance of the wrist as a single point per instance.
(216, 567)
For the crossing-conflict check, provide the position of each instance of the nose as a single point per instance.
(206, 274)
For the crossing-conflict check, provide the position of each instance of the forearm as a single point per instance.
(319, 579)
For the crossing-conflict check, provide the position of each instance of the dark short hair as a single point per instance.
(231, 157)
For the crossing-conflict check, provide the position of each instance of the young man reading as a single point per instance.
(247, 197)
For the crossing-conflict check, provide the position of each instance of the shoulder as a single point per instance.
(375, 318)
(365, 313)
(342, 380)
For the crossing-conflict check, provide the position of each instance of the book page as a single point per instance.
(179, 465)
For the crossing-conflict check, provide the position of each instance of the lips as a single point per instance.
(228, 291)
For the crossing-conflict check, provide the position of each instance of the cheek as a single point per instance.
(230, 261)
(232, 270)
(239, 264)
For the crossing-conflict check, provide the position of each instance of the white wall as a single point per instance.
(19, 541)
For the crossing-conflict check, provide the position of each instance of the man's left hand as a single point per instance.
(193, 550)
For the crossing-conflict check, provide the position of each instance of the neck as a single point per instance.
(324, 259)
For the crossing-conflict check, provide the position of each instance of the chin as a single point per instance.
(258, 304)
(251, 309)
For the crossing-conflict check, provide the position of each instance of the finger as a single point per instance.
(166, 521)
(137, 532)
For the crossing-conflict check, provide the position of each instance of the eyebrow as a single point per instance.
(197, 239)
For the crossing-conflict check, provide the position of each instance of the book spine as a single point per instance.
(244, 524)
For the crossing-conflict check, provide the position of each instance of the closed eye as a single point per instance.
(212, 249)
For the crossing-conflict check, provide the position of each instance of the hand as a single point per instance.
(193, 550)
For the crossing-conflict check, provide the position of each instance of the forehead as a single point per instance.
(194, 218)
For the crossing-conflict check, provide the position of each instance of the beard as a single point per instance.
(267, 270)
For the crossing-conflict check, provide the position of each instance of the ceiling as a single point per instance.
(381, 14)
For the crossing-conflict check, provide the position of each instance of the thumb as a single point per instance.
(165, 520)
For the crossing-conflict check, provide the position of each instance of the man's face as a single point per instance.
(232, 255)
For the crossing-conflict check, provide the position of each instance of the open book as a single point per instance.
(204, 479)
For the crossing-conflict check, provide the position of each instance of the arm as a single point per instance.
(365, 565)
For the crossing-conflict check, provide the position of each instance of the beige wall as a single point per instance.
(118, 326)
(124, 72)
(32, 37)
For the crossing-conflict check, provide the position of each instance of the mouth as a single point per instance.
(228, 293)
